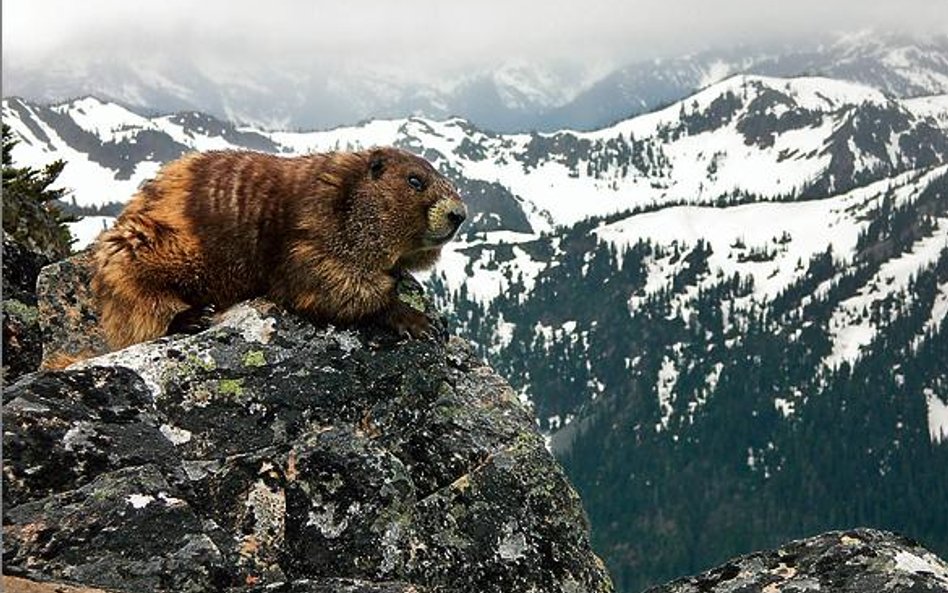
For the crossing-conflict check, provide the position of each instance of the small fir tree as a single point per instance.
(30, 215)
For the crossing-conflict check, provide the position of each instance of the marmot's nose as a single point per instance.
(457, 214)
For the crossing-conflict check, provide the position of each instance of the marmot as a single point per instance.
(326, 235)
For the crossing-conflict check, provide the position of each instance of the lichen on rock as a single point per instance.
(271, 454)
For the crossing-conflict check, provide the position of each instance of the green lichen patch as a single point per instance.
(19, 310)
(413, 300)
(231, 387)
(254, 358)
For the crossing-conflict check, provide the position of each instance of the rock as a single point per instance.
(22, 339)
(67, 312)
(19, 585)
(22, 343)
(21, 266)
(856, 561)
(269, 454)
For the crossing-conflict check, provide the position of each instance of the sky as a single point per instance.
(431, 34)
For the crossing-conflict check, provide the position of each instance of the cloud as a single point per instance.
(430, 34)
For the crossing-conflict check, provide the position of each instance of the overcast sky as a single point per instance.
(431, 33)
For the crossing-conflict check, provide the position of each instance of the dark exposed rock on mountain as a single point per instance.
(267, 451)
(855, 561)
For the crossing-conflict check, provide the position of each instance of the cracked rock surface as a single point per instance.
(269, 454)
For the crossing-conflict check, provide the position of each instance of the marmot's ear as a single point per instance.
(376, 164)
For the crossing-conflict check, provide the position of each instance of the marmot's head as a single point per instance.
(417, 208)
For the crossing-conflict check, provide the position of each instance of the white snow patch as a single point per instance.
(488, 277)
(87, 229)
(939, 308)
(937, 415)
(850, 329)
(108, 121)
(935, 107)
(784, 406)
(716, 71)
(758, 226)
(667, 378)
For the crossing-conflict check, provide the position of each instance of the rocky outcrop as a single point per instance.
(269, 454)
(67, 311)
(856, 561)
(22, 343)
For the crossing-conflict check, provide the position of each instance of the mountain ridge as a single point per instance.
(758, 360)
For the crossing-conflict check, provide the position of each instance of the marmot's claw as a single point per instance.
(407, 322)
(193, 320)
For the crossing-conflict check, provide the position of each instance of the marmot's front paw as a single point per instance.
(193, 320)
(406, 321)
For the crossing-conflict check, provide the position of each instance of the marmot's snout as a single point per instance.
(456, 214)
(444, 219)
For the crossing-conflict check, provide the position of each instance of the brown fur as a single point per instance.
(325, 235)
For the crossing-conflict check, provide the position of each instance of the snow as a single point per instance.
(784, 406)
(939, 309)
(85, 230)
(375, 133)
(108, 121)
(849, 329)
(667, 378)
(937, 415)
(935, 107)
(786, 230)
(485, 279)
(814, 93)
(523, 85)
(757, 225)
(553, 195)
(89, 182)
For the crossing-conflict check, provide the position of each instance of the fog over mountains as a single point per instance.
(503, 96)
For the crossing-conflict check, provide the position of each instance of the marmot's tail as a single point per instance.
(131, 284)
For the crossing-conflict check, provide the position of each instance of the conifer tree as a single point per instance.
(30, 215)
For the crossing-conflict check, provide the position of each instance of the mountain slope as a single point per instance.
(745, 138)
(729, 315)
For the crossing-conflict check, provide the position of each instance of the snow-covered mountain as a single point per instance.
(898, 65)
(746, 138)
(514, 95)
(730, 312)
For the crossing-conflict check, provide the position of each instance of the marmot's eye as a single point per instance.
(416, 182)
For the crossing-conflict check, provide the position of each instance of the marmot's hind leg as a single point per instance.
(134, 304)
